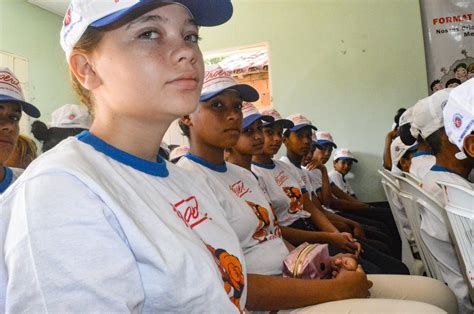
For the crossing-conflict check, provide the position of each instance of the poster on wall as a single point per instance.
(448, 32)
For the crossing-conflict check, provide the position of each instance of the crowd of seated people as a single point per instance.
(108, 219)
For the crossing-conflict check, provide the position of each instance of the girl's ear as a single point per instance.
(469, 145)
(83, 69)
(186, 120)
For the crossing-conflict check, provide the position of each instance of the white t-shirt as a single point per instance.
(435, 235)
(248, 212)
(285, 189)
(337, 178)
(303, 174)
(91, 228)
(421, 163)
(11, 174)
(316, 179)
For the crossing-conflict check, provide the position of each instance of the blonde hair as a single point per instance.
(26, 150)
(89, 40)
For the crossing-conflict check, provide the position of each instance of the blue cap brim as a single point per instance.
(300, 126)
(246, 92)
(205, 12)
(27, 108)
(247, 121)
(347, 158)
(285, 123)
(324, 142)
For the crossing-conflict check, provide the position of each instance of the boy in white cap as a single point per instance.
(100, 223)
(343, 160)
(66, 121)
(12, 103)
(451, 166)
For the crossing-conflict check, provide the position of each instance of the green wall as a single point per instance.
(345, 64)
(33, 33)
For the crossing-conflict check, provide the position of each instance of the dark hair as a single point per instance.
(405, 134)
(460, 65)
(451, 81)
(399, 113)
(435, 141)
(184, 128)
(434, 83)
(286, 133)
(52, 136)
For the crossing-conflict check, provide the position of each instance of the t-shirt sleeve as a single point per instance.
(337, 180)
(65, 251)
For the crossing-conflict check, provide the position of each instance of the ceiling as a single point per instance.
(58, 7)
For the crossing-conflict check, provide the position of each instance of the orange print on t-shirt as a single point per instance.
(296, 202)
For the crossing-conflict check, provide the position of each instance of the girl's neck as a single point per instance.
(242, 160)
(262, 159)
(295, 159)
(209, 153)
(139, 138)
(461, 167)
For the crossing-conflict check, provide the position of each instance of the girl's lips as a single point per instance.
(188, 84)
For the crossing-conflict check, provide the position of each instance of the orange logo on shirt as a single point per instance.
(277, 231)
(295, 196)
(263, 222)
(189, 212)
(231, 272)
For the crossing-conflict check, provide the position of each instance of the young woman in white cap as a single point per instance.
(12, 103)
(100, 223)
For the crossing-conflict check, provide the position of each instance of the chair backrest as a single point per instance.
(410, 197)
(411, 177)
(460, 212)
(388, 175)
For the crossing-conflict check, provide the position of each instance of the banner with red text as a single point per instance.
(448, 32)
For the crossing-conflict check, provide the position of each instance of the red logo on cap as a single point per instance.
(71, 117)
(7, 78)
(67, 18)
(457, 120)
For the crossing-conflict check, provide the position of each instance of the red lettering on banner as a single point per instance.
(239, 188)
(452, 19)
(281, 178)
(188, 211)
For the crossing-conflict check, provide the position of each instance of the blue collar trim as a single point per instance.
(266, 166)
(199, 160)
(157, 169)
(7, 179)
(422, 153)
(443, 169)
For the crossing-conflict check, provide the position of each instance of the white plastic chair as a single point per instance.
(460, 212)
(390, 186)
(413, 199)
(411, 177)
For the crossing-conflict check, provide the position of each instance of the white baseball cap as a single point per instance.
(300, 122)
(10, 91)
(178, 152)
(217, 80)
(99, 13)
(71, 116)
(459, 115)
(324, 138)
(251, 114)
(398, 149)
(285, 123)
(406, 117)
(428, 113)
(344, 154)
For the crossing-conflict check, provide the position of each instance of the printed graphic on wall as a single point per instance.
(448, 31)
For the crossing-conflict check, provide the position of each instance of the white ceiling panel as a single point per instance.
(58, 7)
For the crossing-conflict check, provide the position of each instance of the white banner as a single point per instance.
(448, 32)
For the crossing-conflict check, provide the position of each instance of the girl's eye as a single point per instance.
(238, 107)
(149, 35)
(217, 105)
(15, 118)
(194, 38)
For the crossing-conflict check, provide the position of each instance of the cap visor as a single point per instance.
(300, 126)
(247, 121)
(204, 12)
(325, 142)
(27, 108)
(285, 123)
(348, 158)
(246, 92)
